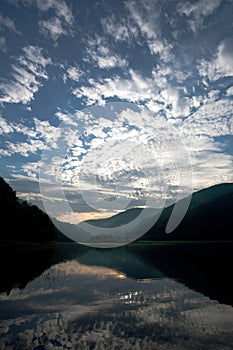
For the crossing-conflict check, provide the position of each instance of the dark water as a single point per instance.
(172, 296)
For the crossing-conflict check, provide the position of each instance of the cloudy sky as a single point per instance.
(119, 103)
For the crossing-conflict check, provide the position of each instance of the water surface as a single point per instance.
(135, 297)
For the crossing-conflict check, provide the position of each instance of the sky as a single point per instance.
(107, 105)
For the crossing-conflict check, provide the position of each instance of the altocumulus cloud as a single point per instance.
(171, 59)
(28, 73)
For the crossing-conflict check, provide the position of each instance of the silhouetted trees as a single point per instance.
(22, 221)
(209, 217)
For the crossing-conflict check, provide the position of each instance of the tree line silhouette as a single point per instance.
(21, 221)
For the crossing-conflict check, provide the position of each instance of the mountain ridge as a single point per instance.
(208, 218)
(205, 204)
(24, 222)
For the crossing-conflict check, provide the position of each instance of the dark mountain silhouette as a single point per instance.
(209, 217)
(117, 220)
(21, 221)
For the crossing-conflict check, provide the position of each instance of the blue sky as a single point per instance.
(117, 101)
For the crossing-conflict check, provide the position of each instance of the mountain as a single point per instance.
(21, 221)
(209, 217)
(117, 220)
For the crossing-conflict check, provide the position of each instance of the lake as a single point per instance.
(164, 296)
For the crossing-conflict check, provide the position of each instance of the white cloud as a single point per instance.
(66, 118)
(4, 153)
(162, 48)
(139, 11)
(220, 66)
(120, 29)
(25, 148)
(53, 27)
(154, 91)
(5, 128)
(60, 7)
(38, 138)
(110, 61)
(73, 73)
(31, 170)
(175, 100)
(15, 93)
(146, 15)
(99, 52)
(133, 159)
(213, 119)
(35, 55)
(61, 24)
(197, 11)
(134, 89)
(229, 91)
(75, 218)
(47, 132)
(27, 76)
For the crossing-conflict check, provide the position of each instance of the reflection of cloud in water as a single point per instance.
(74, 268)
(73, 306)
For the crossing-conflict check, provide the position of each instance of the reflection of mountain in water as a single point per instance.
(20, 264)
(203, 267)
(206, 268)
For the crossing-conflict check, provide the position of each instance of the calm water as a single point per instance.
(136, 297)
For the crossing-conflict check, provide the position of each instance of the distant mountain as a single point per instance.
(117, 220)
(21, 221)
(125, 217)
(209, 217)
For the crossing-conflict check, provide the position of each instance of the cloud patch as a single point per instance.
(120, 30)
(146, 15)
(197, 12)
(28, 73)
(134, 89)
(61, 23)
(52, 27)
(99, 52)
(61, 9)
(73, 73)
(220, 66)
(6, 23)
(5, 128)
